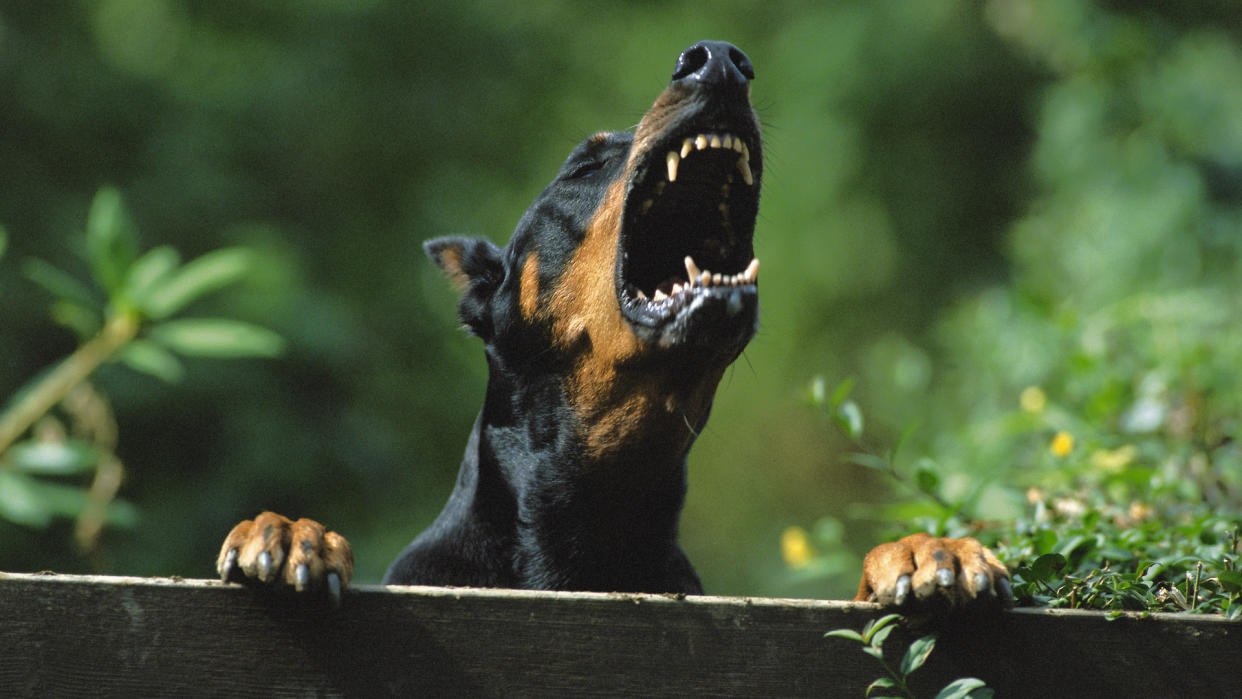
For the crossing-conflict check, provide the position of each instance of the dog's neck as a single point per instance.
(582, 514)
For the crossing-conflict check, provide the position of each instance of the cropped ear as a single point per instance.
(476, 268)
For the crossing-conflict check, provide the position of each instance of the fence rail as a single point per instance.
(66, 635)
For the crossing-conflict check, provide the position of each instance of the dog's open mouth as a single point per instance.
(686, 239)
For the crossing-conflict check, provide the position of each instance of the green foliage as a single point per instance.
(67, 466)
(1084, 419)
(896, 680)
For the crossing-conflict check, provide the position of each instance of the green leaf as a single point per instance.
(212, 271)
(147, 357)
(867, 460)
(816, 392)
(845, 633)
(58, 283)
(849, 417)
(217, 337)
(927, 480)
(841, 392)
(148, 271)
(880, 635)
(881, 683)
(964, 687)
(875, 625)
(84, 322)
(20, 502)
(917, 654)
(54, 458)
(1047, 565)
(111, 243)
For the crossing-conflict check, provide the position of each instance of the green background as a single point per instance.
(334, 136)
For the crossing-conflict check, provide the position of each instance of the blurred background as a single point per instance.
(955, 194)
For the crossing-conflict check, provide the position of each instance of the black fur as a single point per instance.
(536, 505)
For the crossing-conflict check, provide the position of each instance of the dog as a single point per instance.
(626, 290)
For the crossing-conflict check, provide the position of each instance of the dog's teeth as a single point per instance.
(716, 278)
(642, 295)
(715, 142)
(659, 295)
(692, 270)
(687, 146)
(752, 271)
(676, 289)
(705, 278)
(673, 161)
(728, 141)
(738, 145)
(700, 142)
(743, 166)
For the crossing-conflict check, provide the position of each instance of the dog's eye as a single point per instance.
(585, 169)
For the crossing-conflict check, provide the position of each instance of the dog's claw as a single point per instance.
(1005, 592)
(265, 566)
(301, 577)
(229, 566)
(334, 589)
(944, 577)
(982, 584)
(901, 591)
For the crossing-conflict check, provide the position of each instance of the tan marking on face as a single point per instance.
(620, 396)
(528, 297)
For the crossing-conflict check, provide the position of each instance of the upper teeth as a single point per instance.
(703, 141)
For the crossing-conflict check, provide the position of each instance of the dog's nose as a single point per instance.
(716, 63)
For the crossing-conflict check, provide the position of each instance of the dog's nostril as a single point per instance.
(690, 61)
(742, 62)
(714, 63)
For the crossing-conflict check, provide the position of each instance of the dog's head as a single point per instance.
(632, 277)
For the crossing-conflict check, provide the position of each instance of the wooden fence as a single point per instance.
(63, 635)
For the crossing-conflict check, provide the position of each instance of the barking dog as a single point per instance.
(628, 287)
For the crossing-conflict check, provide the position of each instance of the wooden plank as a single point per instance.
(75, 635)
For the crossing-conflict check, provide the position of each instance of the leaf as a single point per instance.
(212, 271)
(58, 283)
(147, 357)
(927, 480)
(875, 625)
(841, 392)
(217, 337)
(1047, 565)
(845, 633)
(65, 458)
(849, 417)
(19, 501)
(881, 683)
(964, 687)
(880, 635)
(917, 654)
(148, 271)
(111, 243)
(815, 393)
(4, 241)
(867, 461)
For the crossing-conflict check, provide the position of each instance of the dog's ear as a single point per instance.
(476, 268)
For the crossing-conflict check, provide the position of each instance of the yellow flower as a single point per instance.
(1033, 399)
(1062, 443)
(796, 547)
(1114, 459)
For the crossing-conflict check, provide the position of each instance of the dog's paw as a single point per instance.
(928, 575)
(274, 550)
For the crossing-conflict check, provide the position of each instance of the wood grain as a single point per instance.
(65, 635)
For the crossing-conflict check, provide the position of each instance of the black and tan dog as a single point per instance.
(628, 287)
